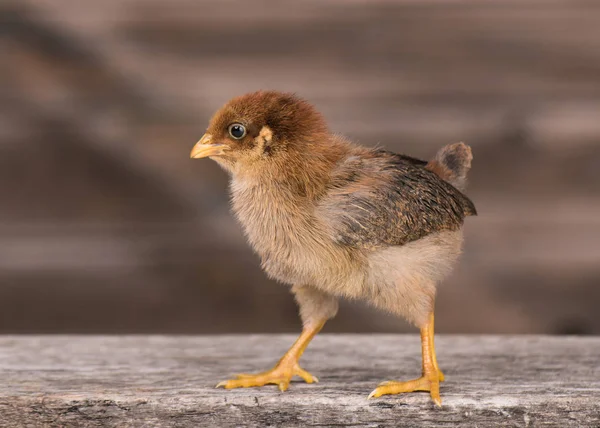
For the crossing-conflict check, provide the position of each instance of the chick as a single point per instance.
(334, 219)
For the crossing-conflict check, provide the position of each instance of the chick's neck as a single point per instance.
(299, 174)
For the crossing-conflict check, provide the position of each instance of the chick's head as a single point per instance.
(259, 128)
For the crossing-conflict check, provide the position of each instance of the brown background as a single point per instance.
(107, 226)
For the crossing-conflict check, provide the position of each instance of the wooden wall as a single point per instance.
(107, 226)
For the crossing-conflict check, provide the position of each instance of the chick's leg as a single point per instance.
(434, 358)
(432, 375)
(315, 309)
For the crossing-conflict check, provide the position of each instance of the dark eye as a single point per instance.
(237, 131)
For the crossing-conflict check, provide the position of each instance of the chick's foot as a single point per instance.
(279, 375)
(428, 382)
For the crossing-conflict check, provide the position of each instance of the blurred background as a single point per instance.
(107, 226)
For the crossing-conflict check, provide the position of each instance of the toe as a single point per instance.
(261, 379)
(244, 375)
(421, 384)
(244, 382)
(383, 390)
(228, 384)
(434, 392)
(308, 378)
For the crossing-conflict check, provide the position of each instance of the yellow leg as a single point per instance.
(284, 370)
(435, 363)
(432, 376)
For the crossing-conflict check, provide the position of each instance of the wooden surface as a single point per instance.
(169, 381)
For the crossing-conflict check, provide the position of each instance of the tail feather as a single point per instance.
(452, 163)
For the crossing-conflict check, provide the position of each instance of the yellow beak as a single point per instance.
(205, 148)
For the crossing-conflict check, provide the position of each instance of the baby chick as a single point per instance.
(334, 219)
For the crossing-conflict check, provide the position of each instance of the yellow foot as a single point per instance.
(280, 375)
(429, 383)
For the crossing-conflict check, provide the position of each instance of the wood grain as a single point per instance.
(151, 381)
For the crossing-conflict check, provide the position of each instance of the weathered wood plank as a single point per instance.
(169, 381)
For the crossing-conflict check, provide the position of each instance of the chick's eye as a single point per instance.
(237, 131)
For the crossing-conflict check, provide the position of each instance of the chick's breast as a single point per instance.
(294, 243)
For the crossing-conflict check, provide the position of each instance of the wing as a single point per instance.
(379, 198)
